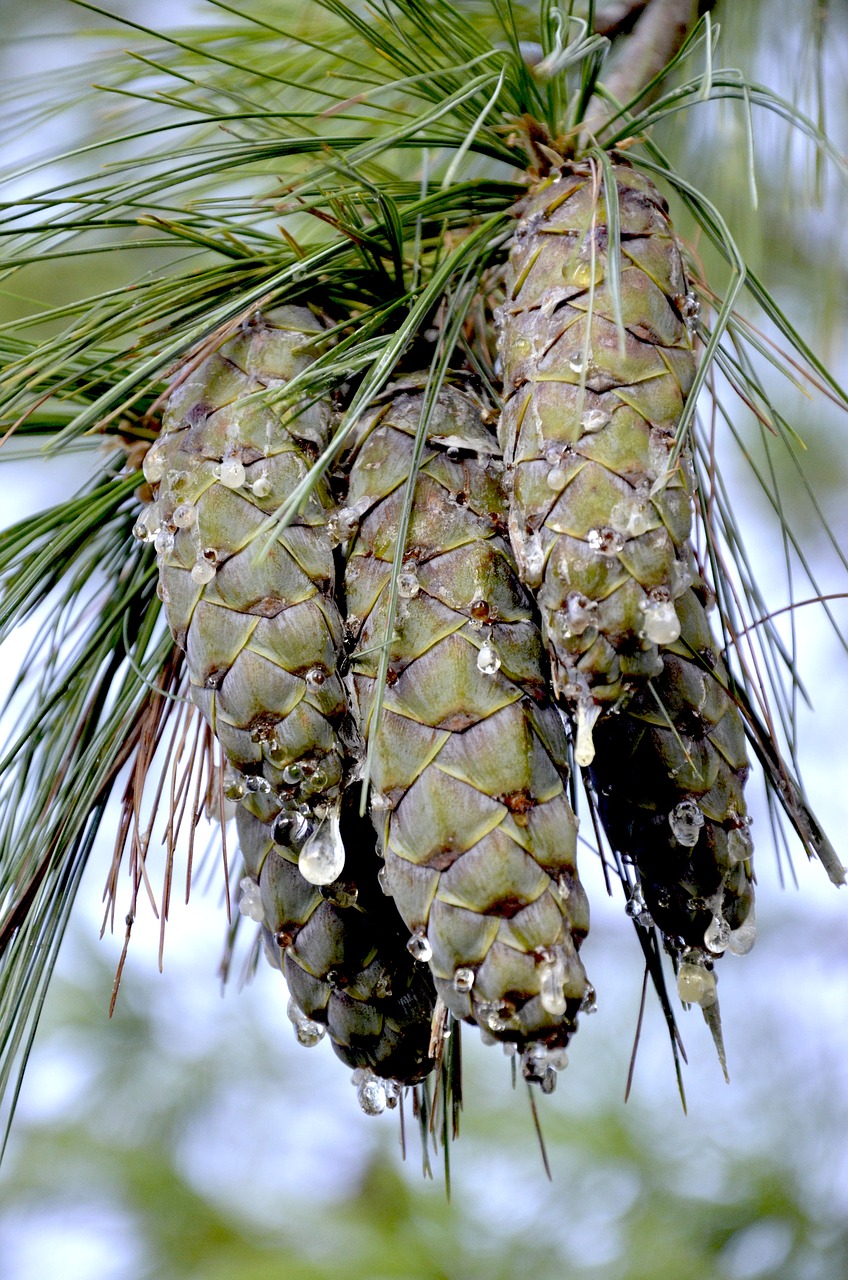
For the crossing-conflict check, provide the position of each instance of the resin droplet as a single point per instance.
(488, 660)
(163, 542)
(463, 980)
(234, 788)
(580, 613)
(696, 985)
(418, 946)
(293, 775)
(408, 585)
(686, 821)
(584, 746)
(258, 785)
(589, 1003)
(203, 572)
(540, 1064)
(250, 900)
(632, 516)
(605, 541)
(146, 526)
(717, 935)
(740, 846)
(662, 625)
(309, 1033)
(556, 479)
(551, 981)
(530, 555)
(681, 578)
(315, 677)
(230, 473)
(154, 464)
(371, 1095)
(393, 1089)
(637, 909)
(342, 525)
(184, 515)
(261, 487)
(594, 420)
(578, 362)
(383, 881)
(380, 803)
(322, 858)
(741, 940)
(289, 829)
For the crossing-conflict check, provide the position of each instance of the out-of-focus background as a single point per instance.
(191, 1137)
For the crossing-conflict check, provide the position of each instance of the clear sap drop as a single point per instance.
(230, 473)
(250, 900)
(594, 420)
(322, 858)
(556, 479)
(551, 982)
(257, 784)
(184, 515)
(154, 464)
(580, 613)
(163, 542)
(662, 625)
(606, 541)
(315, 677)
(261, 486)
(383, 881)
(531, 559)
(463, 980)
(203, 572)
(488, 660)
(380, 803)
(371, 1096)
(419, 947)
(686, 821)
(740, 846)
(717, 935)
(146, 526)
(741, 940)
(584, 746)
(290, 829)
(408, 585)
(342, 525)
(309, 1033)
(696, 985)
(234, 788)
(632, 517)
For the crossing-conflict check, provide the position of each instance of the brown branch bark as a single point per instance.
(656, 37)
(617, 18)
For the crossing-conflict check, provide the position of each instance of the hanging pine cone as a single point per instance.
(469, 763)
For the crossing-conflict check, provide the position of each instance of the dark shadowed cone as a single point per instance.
(261, 632)
(343, 952)
(599, 520)
(669, 771)
(470, 758)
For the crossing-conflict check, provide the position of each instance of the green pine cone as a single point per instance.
(599, 527)
(262, 633)
(342, 949)
(469, 765)
(669, 771)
